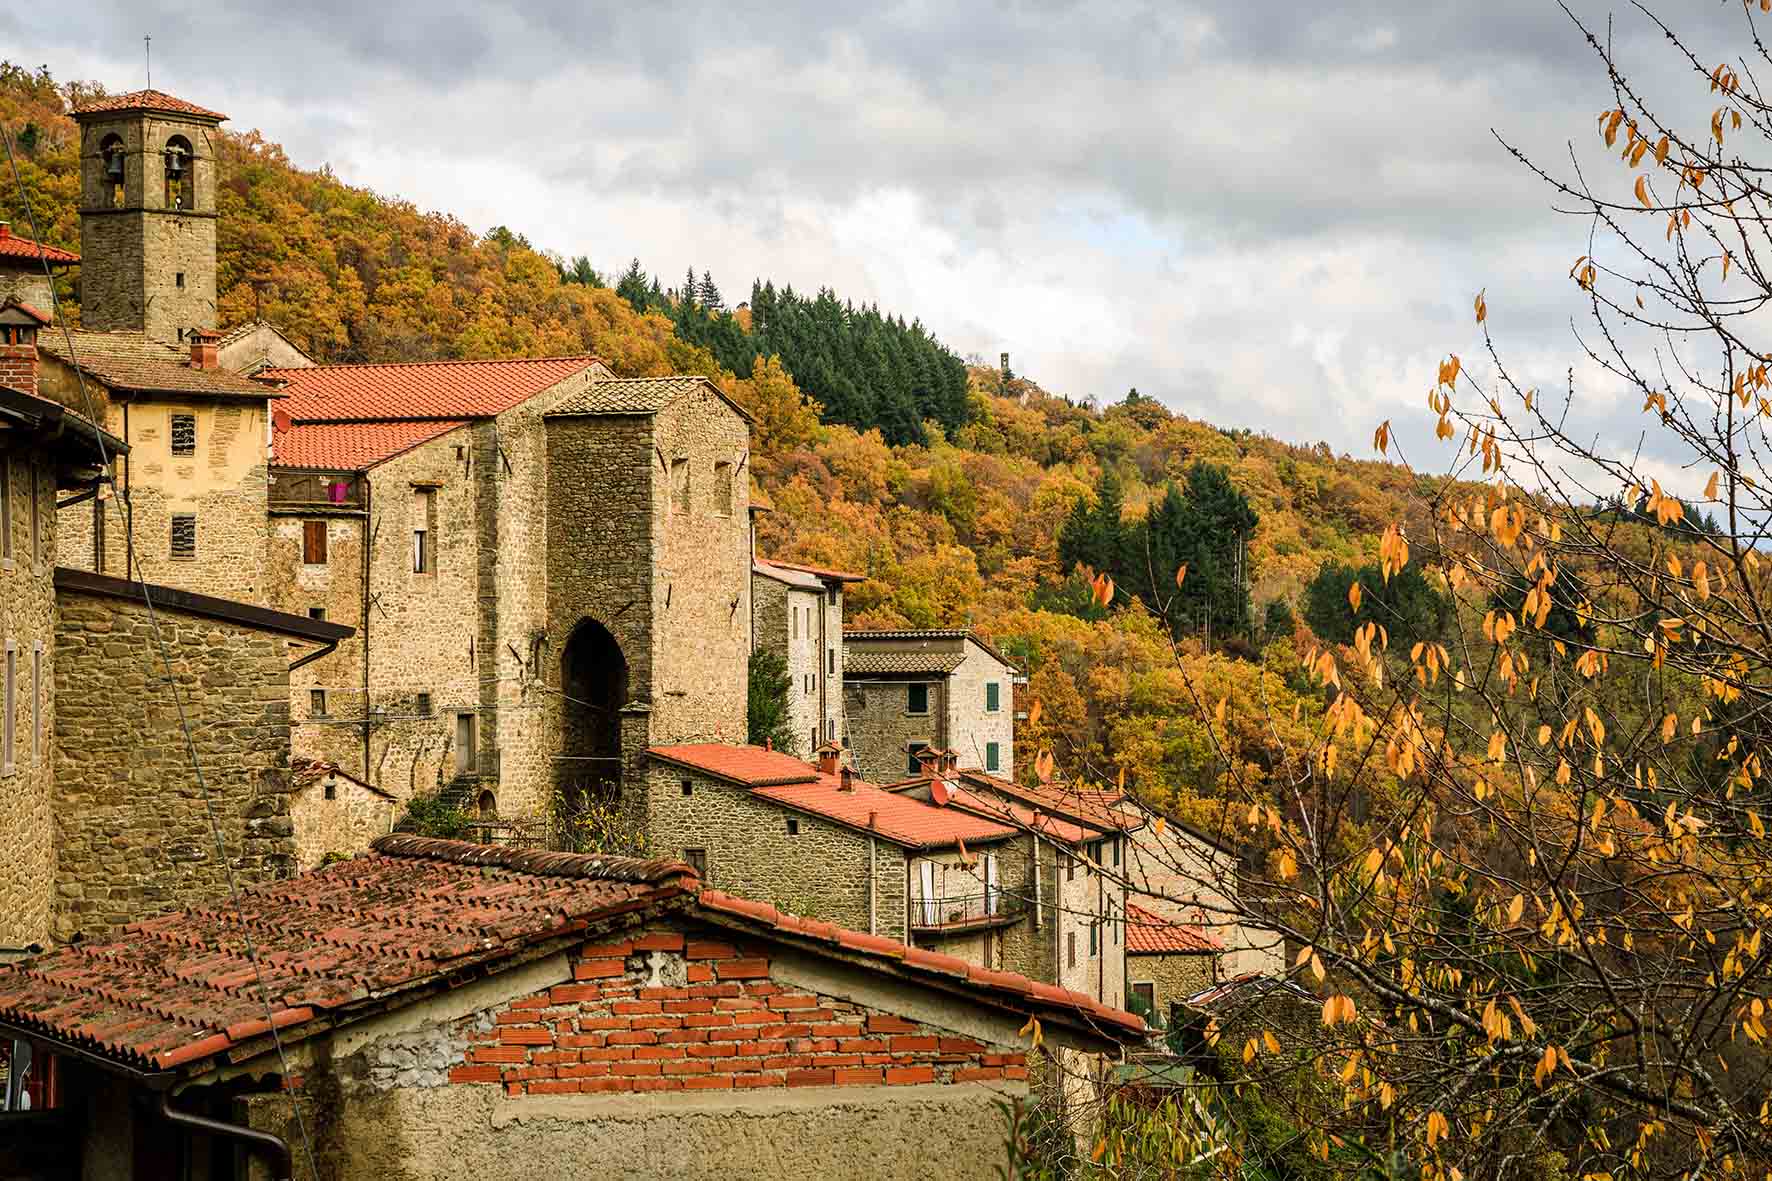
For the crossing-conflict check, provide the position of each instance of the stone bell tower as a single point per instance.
(147, 215)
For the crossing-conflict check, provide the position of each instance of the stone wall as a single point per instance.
(1183, 877)
(670, 1053)
(821, 871)
(27, 284)
(971, 726)
(1173, 977)
(343, 823)
(27, 638)
(145, 266)
(134, 838)
(881, 727)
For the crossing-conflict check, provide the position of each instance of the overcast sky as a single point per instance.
(1267, 215)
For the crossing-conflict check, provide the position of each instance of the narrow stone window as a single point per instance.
(113, 160)
(421, 705)
(680, 485)
(917, 699)
(698, 861)
(316, 703)
(793, 623)
(313, 543)
(1094, 939)
(330, 788)
(688, 787)
(178, 280)
(466, 756)
(39, 707)
(424, 524)
(178, 173)
(993, 696)
(831, 662)
(7, 744)
(184, 535)
(184, 434)
(98, 535)
(723, 489)
(1071, 949)
(991, 756)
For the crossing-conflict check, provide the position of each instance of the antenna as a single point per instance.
(148, 52)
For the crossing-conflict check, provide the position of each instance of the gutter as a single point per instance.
(273, 1147)
(325, 650)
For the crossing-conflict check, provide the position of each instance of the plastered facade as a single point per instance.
(805, 624)
(27, 646)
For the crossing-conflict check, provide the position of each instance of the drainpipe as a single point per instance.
(274, 1148)
(365, 550)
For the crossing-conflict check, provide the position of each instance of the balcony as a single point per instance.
(960, 914)
(308, 490)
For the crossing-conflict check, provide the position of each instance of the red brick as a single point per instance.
(475, 1074)
(519, 1035)
(784, 1031)
(633, 1037)
(712, 1050)
(630, 1069)
(571, 994)
(737, 1065)
(605, 951)
(580, 1041)
(554, 1057)
(786, 1062)
(687, 1067)
(597, 969)
(530, 1002)
(607, 1084)
(761, 988)
(1015, 1072)
(636, 1008)
(675, 1036)
(902, 1044)
(707, 949)
(514, 1089)
(716, 990)
(657, 1053)
(839, 1060)
(832, 1029)
(758, 1080)
(755, 1017)
(659, 941)
(882, 1023)
(978, 1074)
(745, 969)
(899, 1076)
(507, 1054)
(554, 1086)
(860, 1074)
(693, 1006)
(793, 1000)
(765, 1046)
(532, 1072)
(961, 1045)
(657, 1023)
(707, 1020)
(613, 1054)
(590, 1024)
(862, 1045)
(699, 973)
(709, 1082)
(811, 1078)
(1004, 1059)
(663, 994)
(585, 1070)
(515, 1017)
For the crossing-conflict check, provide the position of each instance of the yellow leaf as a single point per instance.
(1181, 574)
(1661, 151)
(1516, 908)
(1668, 724)
(1288, 866)
(1374, 861)
(1437, 1128)
(1482, 308)
(1353, 596)
(1272, 1042)
(1544, 735)
(1034, 712)
(1317, 967)
(1710, 487)
(1158, 825)
(1381, 438)
(1643, 191)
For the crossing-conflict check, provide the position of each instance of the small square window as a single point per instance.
(421, 704)
(316, 703)
(184, 535)
(913, 763)
(331, 786)
(316, 613)
(689, 787)
(793, 827)
(184, 434)
(178, 280)
(917, 699)
(698, 861)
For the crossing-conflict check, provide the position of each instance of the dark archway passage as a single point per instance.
(594, 685)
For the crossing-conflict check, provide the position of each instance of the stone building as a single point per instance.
(541, 1007)
(334, 812)
(145, 365)
(798, 611)
(1167, 962)
(22, 267)
(548, 566)
(906, 691)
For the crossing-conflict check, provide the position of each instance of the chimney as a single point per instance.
(950, 759)
(203, 348)
(5, 230)
(18, 346)
(846, 781)
(928, 761)
(828, 754)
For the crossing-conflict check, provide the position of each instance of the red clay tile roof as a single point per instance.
(917, 962)
(179, 988)
(900, 819)
(13, 301)
(1009, 812)
(412, 916)
(1060, 798)
(1152, 934)
(821, 571)
(126, 360)
(12, 246)
(420, 389)
(353, 446)
(751, 766)
(145, 100)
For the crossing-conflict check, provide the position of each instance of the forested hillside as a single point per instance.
(877, 448)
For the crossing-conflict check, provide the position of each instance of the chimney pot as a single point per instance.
(5, 229)
(828, 755)
(846, 780)
(203, 349)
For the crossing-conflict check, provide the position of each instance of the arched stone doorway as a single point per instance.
(594, 688)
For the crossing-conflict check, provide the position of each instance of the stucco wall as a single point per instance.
(134, 837)
(27, 613)
(821, 871)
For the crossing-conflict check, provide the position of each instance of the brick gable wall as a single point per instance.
(668, 1012)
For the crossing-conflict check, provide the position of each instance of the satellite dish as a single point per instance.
(281, 421)
(938, 791)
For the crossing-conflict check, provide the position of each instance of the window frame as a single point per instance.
(993, 756)
(697, 859)
(317, 707)
(424, 528)
(173, 420)
(911, 690)
(912, 750)
(172, 538)
(467, 754)
(993, 697)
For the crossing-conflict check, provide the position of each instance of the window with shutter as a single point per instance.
(313, 543)
(184, 535)
(184, 434)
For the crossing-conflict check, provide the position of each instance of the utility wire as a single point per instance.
(132, 567)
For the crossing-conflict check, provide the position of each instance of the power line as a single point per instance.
(131, 566)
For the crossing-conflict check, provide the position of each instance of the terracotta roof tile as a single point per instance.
(921, 661)
(820, 571)
(354, 446)
(1152, 934)
(897, 818)
(793, 578)
(127, 360)
(14, 247)
(1057, 798)
(420, 389)
(750, 765)
(145, 100)
(638, 395)
(177, 988)
(1007, 811)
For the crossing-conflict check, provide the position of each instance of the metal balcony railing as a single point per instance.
(962, 910)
